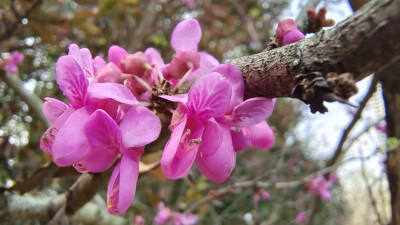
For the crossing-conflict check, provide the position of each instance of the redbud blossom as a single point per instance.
(135, 64)
(139, 220)
(301, 217)
(12, 62)
(288, 33)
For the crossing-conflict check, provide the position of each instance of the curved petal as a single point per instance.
(234, 76)
(219, 166)
(53, 108)
(251, 112)
(182, 98)
(209, 97)
(122, 185)
(239, 140)
(261, 135)
(186, 35)
(71, 144)
(47, 140)
(211, 138)
(154, 57)
(71, 80)
(178, 156)
(139, 127)
(115, 54)
(87, 62)
(207, 62)
(73, 50)
(104, 138)
(117, 92)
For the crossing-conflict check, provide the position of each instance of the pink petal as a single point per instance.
(98, 63)
(251, 112)
(154, 57)
(122, 184)
(178, 157)
(234, 76)
(104, 137)
(115, 54)
(117, 92)
(211, 138)
(207, 62)
(209, 97)
(182, 98)
(71, 144)
(325, 194)
(139, 127)
(186, 35)
(240, 141)
(47, 140)
(53, 108)
(261, 135)
(71, 80)
(74, 51)
(292, 37)
(87, 62)
(219, 166)
(109, 73)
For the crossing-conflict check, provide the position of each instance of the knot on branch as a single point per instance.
(272, 43)
(313, 88)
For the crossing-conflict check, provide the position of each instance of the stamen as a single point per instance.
(143, 83)
(183, 79)
(155, 78)
(160, 75)
(145, 103)
(126, 76)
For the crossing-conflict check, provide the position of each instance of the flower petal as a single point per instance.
(47, 140)
(251, 112)
(234, 76)
(154, 57)
(87, 62)
(117, 92)
(219, 166)
(122, 185)
(261, 135)
(71, 80)
(211, 138)
(239, 140)
(115, 54)
(178, 156)
(139, 127)
(71, 144)
(207, 62)
(182, 98)
(53, 108)
(209, 97)
(104, 137)
(186, 35)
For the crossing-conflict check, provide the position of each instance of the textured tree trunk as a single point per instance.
(390, 79)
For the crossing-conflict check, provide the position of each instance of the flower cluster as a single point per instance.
(320, 186)
(166, 215)
(12, 61)
(107, 119)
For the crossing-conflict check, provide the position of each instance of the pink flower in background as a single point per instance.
(256, 197)
(139, 220)
(320, 185)
(288, 33)
(301, 217)
(165, 215)
(265, 194)
(190, 3)
(261, 193)
(12, 61)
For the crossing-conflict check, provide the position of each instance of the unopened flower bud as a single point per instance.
(109, 73)
(182, 62)
(135, 64)
(288, 33)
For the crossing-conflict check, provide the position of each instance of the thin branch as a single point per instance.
(10, 30)
(369, 190)
(32, 100)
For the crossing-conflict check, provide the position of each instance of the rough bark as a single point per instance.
(391, 82)
(364, 43)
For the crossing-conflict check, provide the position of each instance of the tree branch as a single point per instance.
(340, 49)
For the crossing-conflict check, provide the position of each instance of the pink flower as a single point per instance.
(320, 186)
(12, 62)
(164, 214)
(301, 217)
(256, 197)
(288, 33)
(139, 220)
(201, 124)
(265, 194)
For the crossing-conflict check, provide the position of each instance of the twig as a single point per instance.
(302, 18)
(369, 190)
(10, 30)
(32, 100)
